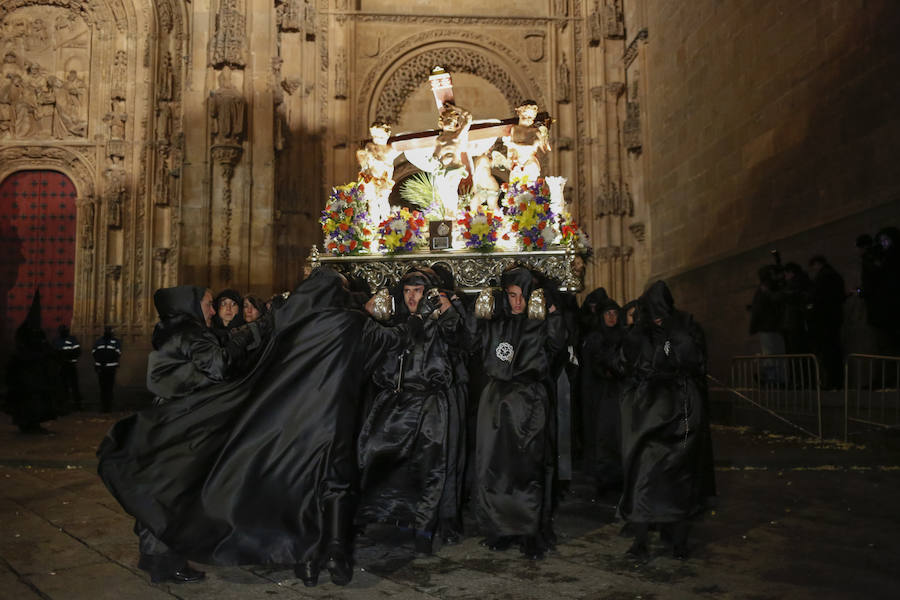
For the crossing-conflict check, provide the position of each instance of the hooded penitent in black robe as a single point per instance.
(262, 470)
(515, 454)
(589, 320)
(403, 441)
(602, 391)
(666, 447)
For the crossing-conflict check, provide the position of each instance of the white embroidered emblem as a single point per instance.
(667, 348)
(505, 351)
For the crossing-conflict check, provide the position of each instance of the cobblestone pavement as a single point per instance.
(794, 519)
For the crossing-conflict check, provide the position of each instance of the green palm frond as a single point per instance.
(418, 190)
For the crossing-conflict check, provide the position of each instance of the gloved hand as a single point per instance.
(430, 302)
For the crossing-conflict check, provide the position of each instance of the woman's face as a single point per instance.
(250, 312)
(228, 309)
(629, 317)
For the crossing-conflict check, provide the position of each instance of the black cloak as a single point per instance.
(603, 383)
(515, 454)
(261, 470)
(404, 445)
(666, 446)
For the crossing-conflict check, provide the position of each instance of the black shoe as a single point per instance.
(183, 574)
(307, 572)
(339, 567)
(637, 550)
(424, 543)
(450, 537)
(498, 544)
(532, 550)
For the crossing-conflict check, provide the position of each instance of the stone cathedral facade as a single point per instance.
(153, 143)
(202, 136)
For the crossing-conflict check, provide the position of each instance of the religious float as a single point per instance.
(459, 214)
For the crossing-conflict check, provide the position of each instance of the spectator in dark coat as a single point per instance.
(825, 318)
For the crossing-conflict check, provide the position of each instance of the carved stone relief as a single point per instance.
(563, 87)
(227, 108)
(415, 71)
(44, 58)
(114, 191)
(226, 47)
(289, 15)
(340, 74)
(631, 129)
(595, 26)
(613, 199)
(615, 20)
(534, 45)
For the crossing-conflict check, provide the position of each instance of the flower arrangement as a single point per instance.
(480, 228)
(527, 204)
(570, 232)
(402, 231)
(345, 222)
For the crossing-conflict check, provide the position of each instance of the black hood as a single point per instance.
(419, 276)
(657, 301)
(324, 289)
(180, 301)
(238, 319)
(522, 277)
(594, 300)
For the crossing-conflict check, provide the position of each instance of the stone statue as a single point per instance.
(119, 76)
(227, 111)
(114, 192)
(376, 169)
(562, 80)
(524, 143)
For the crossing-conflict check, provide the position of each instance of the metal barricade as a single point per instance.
(871, 391)
(786, 385)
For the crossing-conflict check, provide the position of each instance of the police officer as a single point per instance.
(68, 351)
(106, 353)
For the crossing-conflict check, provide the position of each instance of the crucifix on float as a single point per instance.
(459, 149)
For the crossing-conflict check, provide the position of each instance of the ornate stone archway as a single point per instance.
(407, 64)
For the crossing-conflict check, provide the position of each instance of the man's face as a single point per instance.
(206, 306)
(611, 317)
(411, 296)
(228, 308)
(516, 299)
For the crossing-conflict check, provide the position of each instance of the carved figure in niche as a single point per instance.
(450, 143)
(595, 25)
(289, 15)
(6, 111)
(280, 117)
(562, 80)
(162, 185)
(340, 75)
(227, 43)
(38, 36)
(309, 20)
(227, 111)
(163, 123)
(166, 79)
(615, 19)
(376, 169)
(114, 192)
(11, 64)
(87, 225)
(118, 75)
(525, 142)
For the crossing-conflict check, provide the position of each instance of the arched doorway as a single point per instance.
(37, 248)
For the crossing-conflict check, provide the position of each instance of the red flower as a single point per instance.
(505, 236)
(334, 215)
(515, 227)
(342, 248)
(344, 227)
(467, 235)
(542, 224)
(348, 211)
(366, 232)
(332, 246)
(540, 242)
(407, 235)
(522, 206)
(352, 244)
(366, 244)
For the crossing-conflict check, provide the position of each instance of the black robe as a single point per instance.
(515, 453)
(261, 470)
(666, 446)
(602, 391)
(404, 442)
